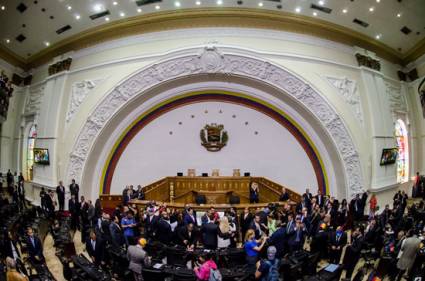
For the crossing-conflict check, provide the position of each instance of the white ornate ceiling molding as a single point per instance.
(33, 102)
(397, 100)
(211, 61)
(79, 91)
(347, 89)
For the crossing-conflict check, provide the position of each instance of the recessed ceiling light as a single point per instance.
(378, 36)
(115, 3)
(157, 7)
(122, 14)
(47, 44)
(315, 14)
(345, 11)
(107, 19)
(69, 8)
(377, 1)
(97, 7)
(260, 4)
(77, 17)
(219, 2)
(3, 8)
(139, 10)
(198, 3)
(371, 9)
(297, 9)
(177, 4)
(399, 15)
(7, 41)
(321, 2)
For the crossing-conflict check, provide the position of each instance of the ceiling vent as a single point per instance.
(63, 29)
(406, 30)
(20, 38)
(21, 7)
(145, 2)
(99, 15)
(321, 8)
(360, 22)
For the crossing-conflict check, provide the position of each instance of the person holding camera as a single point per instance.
(253, 247)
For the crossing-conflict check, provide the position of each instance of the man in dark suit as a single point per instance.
(320, 199)
(186, 236)
(284, 196)
(164, 233)
(209, 234)
(94, 247)
(352, 253)
(257, 226)
(189, 217)
(60, 191)
(117, 237)
(245, 221)
(337, 241)
(278, 239)
(34, 246)
(74, 209)
(296, 240)
(74, 189)
(151, 221)
(9, 247)
(50, 205)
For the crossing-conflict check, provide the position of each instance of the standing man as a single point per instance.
(60, 191)
(409, 250)
(136, 255)
(12, 274)
(337, 241)
(94, 247)
(74, 189)
(74, 209)
(35, 247)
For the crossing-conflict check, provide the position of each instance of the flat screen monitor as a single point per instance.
(41, 156)
(389, 156)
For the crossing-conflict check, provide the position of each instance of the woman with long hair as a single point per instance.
(253, 247)
(224, 233)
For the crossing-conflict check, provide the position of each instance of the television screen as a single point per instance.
(389, 156)
(41, 156)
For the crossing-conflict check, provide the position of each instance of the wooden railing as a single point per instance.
(216, 189)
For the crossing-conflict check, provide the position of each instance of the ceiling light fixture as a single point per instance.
(321, 2)
(298, 9)
(115, 3)
(219, 2)
(378, 36)
(139, 10)
(378, 1)
(3, 8)
(107, 19)
(7, 41)
(260, 4)
(315, 14)
(399, 15)
(77, 17)
(198, 3)
(345, 11)
(98, 8)
(47, 44)
(69, 8)
(177, 4)
(122, 14)
(157, 7)
(371, 9)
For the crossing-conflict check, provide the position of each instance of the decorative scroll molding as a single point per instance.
(396, 98)
(60, 66)
(348, 90)
(33, 102)
(210, 61)
(79, 92)
(368, 61)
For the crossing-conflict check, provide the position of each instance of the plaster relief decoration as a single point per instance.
(212, 62)
(79, 92)
(214, 137)
(396, 98)
(33, 101)
(348, 91)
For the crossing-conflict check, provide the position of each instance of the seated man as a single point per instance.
(35, 247)
(95, 248)
(268, 269)
(186, 236)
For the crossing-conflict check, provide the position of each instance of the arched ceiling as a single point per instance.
(32, 28)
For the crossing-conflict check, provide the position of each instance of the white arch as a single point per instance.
(211, 61)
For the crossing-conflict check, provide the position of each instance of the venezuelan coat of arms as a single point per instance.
(213, 137)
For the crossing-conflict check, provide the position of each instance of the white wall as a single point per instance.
(273, 152)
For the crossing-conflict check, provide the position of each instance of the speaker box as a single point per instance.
(247, 174)
(205, 174)
(200, 199)
(180, 174)
(234, 199)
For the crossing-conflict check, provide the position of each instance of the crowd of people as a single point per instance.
(338, 231)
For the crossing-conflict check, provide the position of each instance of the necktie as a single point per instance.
(33, 242)
(298, 236)
(93, 244)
